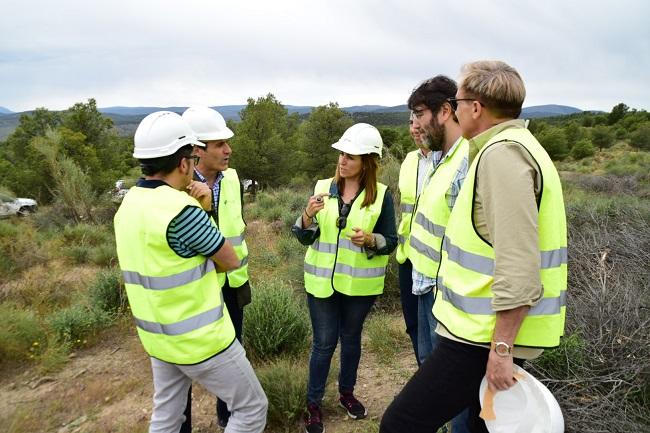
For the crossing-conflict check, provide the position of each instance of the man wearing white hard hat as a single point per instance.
(349, 226)
(214, 171)
(169, 249)
(503, 272)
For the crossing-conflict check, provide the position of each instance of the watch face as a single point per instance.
(502, 349)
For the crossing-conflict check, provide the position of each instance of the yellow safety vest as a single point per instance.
(176, 302)
(333, 262)
(408, 184)
(232, 226)
(432, 214)
(463, 302)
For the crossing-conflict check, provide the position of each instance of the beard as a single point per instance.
(434, 135)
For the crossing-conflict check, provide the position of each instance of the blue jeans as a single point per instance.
(337, 317)
(409, 303)
(427, 342)
(427, 337)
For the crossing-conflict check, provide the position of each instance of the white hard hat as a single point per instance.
(207, 123)
(526, 407)
(161, 134)
(360, 139)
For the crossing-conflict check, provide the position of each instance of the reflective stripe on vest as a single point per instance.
(408, 184)
(184, 326)
(485, 265)
(340, 268)
(236, 240)
(170, 281)
(433, 212)
(176, 302)
(232, 226)
(333, 262)
(470, 305)
(407, 208)
(467, 266)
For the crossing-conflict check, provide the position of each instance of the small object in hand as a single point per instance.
(319, 199)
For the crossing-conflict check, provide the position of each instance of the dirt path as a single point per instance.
(108, 389)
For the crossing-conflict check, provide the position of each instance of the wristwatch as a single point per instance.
(501, 348)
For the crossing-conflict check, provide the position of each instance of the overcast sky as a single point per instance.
(587, 54)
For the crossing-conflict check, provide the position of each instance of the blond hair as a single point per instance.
(496, 85)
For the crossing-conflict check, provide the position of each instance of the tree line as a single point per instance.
(271, 146)
(581, 135)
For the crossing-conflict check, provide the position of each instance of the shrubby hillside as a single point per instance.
(62, 298)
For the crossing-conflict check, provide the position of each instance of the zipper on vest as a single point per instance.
(336, 256)
(417, 197)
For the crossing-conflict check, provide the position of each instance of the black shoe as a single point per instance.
(222, 422)
(313, 422)
(353, 406)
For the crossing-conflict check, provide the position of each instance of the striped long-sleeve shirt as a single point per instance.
(190, 233)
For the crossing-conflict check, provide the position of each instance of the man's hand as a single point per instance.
(201, 191)
(499, 372)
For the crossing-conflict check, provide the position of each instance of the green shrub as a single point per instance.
(384, 339)
(21, 335)
(275, 322)
(268, 258)
(285, 384)
(86, 234)
(19, 248)
(559, 362)
(582, 149)
(107, 293)
(79, 254)
(103, 255)
(78, 322)
(289, 247)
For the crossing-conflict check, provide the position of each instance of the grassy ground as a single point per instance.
(70, 360)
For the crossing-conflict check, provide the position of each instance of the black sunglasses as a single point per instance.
(342, 220)
(454, 102)
(195, 158)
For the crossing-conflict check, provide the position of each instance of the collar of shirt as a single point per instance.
(216, 187)
(477, 143)
(204, 180)
(150, 183)
(451, 150)
(422, 155)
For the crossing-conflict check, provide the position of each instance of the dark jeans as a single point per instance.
(446, 383)
(409, 303)
(337, 317)
(237, 317)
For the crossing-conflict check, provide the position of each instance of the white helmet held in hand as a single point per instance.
(161, 134)
(207, 123)
(360, 139)
(526, 407)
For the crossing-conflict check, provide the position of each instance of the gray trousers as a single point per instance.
(228, 374)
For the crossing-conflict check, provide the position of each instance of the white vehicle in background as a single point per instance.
(119, 191)
(10, 206)
(248, 184)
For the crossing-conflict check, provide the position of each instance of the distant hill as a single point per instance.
(126, 119)
(538, 111)
(231, 112)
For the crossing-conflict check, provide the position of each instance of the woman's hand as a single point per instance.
(361, 238)
(202, 193)
(314, 205)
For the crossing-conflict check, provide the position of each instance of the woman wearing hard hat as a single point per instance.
(349, 225)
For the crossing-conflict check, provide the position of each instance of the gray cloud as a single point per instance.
(586, 54)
